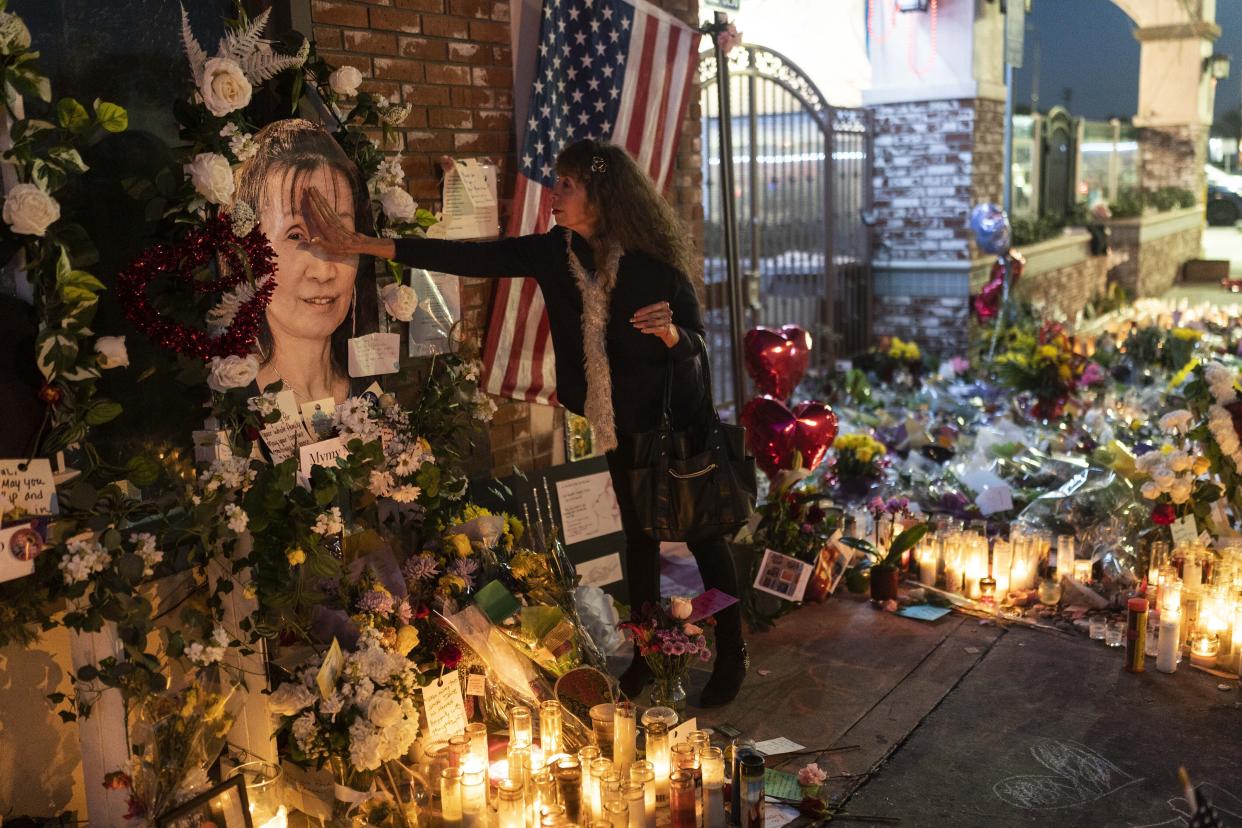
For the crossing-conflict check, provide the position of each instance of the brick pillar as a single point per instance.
(452, 61)
(938, 102)
(1174, 156)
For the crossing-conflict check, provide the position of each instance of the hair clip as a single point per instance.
(598, 164)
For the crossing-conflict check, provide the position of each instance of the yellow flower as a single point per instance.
(448, 583)
(461, 545)
(407, 639)
(1046, 352)
(1063, 372)
(295, 557)
(515, 527)
(1166, 449)
(863, 455)
(1187, 334)
(1201, 466)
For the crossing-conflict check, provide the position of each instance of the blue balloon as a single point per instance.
(991, 227)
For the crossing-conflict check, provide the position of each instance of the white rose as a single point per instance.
(1180, 491)
(232, 372)
(345, 81)
(1177, 420)
(212, 177)
(1163, 477)
(290, 698)
(29, 210)
(383, 711)
(112, 353)
(400, 301)
(680, 608)
(1150, 490)
(224, 86)
(398, 204)
(1179, 461)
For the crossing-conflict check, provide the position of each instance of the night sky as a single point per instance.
(1088, 46)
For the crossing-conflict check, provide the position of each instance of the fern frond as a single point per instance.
(194, 52)
(238, 45)
(259, 65)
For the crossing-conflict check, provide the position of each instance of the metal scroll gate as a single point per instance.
(802, 184)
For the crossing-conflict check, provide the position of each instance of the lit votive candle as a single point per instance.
(623, 736)
(658, 755)
(450, 797)
(599, 767)
(643, 772)
(635, 801)
(927, 565)
(520, 734)
(510, 807)
(473, 793)
(550, 727)
(1082, 572)
(1203, 649)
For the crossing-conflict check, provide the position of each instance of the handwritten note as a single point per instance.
(324, 453)
(476, 685)
(777, 746)
(446, 710)
(330, 670)
(374, 354)
(1184, 530)
(470, 203)
(588, 507)
(26, 489)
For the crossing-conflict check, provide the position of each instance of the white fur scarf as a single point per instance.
(596, 293)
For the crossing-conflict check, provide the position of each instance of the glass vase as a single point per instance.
(669, 691)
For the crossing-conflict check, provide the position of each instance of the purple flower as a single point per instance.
(465, 568)
(373, 600)
(876, 504)
(420, 568)
(405, 613)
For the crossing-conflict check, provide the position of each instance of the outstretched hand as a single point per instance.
(330, 236)
(657, 320)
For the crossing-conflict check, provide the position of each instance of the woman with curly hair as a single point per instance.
(615, 275)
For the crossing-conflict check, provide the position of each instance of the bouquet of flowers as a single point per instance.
(1044, 365)
(794, 521)
(1174, 474)
(857, 460)
(356, 721)
(177, 736)
(440, 575)
(893, 356)
(668, 642)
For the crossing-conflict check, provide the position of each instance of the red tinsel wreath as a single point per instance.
(248, 258)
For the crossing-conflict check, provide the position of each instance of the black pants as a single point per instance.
(642, 558)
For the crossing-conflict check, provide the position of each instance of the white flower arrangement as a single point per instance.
(227, 473)
(29, 211)
(378, 686)
(144, 548)
(329, 523)
(238, 520)
(232, 372)
(211, 651)
(1222, 383)
(84, 557)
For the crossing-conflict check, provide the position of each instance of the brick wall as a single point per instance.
(1174, 157)
(451, 60)
(934, 160)
(1061, 276)
(1154, 248)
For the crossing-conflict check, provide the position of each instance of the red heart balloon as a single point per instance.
(776, 360)
(774, 433)
(987, 302)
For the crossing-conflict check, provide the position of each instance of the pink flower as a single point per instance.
(1092, 374)
(729, 38)
(811, 774)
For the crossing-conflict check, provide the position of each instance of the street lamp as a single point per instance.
(1217, 65)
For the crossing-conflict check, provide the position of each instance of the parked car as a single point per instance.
(1224, 197)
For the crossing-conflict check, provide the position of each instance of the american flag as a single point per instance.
(614, 70)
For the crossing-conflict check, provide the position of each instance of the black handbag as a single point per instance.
(693, 484)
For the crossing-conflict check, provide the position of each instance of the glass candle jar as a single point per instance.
(459, 749)
(568, 775)
(550, 720)
(1096, 625)
(643, 773)
(659, 757)
(474, 793)
(510, 804)
(599, 767)
(752, 790)
(1115, 633)
(635, 803)
(520, 734)
(681, 799)
(601, 725)
(450, 797)
(711, 762)
(624, 736)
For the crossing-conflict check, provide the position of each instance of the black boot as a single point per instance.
(635, 677)
(727, 675)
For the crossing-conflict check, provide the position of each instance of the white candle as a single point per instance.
(643, 772)
(928, 560)
(1166, 654)
(623, 736)
(450, 797)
